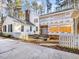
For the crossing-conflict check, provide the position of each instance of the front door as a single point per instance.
(44, 30)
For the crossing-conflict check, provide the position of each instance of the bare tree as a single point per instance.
(28, 5)
(41, 9)
(35, 6)
(38, 8)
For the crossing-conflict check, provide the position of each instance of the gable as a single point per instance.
(75, 14)
(10, 20)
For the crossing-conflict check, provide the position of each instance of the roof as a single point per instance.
(22, 21)
(56, 12)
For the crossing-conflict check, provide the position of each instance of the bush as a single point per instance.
(36, 36)
(45, 39)
(6, 35)
(9, 36)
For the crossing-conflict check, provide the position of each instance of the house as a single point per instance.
(56, 23)
(17, 28)
(19, 23)
(34, 18)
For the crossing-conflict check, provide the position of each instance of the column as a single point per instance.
(75, 26)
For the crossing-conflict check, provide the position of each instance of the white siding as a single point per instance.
(34, 16)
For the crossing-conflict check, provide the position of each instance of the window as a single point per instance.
(10, 28)
(22, 28)
(30, 28)
(4, 28)
(35, 20)
(36, 28)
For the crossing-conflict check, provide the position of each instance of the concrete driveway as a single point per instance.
(13, 49)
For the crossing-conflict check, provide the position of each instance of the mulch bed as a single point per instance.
(71, 50)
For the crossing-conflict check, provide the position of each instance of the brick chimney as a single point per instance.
(27, 15)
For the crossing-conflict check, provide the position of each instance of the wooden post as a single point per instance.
(75, 26)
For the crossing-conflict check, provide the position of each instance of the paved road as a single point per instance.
(13, 49)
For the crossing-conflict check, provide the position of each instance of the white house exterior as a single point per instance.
(64, 25)
(71, 40)
(17, 28)
(34, 18)
(3, 12)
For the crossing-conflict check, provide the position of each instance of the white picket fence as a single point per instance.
(69, 40)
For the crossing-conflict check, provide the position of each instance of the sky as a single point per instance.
(39, 2)
(3, 8)
(53, 4)
(52, 1)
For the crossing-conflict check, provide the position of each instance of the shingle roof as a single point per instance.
(23, 22)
